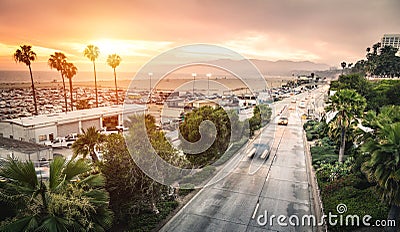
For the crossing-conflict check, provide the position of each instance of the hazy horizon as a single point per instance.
(326, 32)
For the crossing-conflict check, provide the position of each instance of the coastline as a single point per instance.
(139, 84)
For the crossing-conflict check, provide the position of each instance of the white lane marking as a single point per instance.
(255, 211)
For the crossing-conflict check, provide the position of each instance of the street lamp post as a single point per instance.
(194, 79)
(150, 75)
(208, 84)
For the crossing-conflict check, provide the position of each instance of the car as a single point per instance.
(62, 142)
(251, 152)
(302, 104)
(293, 100)
(283, 121)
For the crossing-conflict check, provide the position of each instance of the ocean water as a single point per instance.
(49, 76)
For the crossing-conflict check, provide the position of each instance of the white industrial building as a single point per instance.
(42, 128)
(11, 148)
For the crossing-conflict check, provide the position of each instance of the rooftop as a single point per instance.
(21, 146)
(76, 115)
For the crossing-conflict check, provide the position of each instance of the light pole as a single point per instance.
(194, 79)
(208, 84)
(150, 74)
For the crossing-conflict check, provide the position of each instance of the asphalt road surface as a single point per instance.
(277, 185)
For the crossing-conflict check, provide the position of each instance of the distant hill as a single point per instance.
(280, 67)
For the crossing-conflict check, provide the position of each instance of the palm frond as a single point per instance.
(75, 168)
(22, 172)
(24, 224)
(56, 173)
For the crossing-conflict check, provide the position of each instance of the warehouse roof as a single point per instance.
(73, 116)
(21, 146)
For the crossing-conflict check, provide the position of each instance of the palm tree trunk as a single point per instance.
(95, 84)
(70, 92)
(65, 94)
(33, 91)
(394, 214)
(342, 144)
(95, 159)
(116, 89)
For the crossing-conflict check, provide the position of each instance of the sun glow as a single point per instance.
(128, 47)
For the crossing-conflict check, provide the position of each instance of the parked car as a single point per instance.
(283, 121)
(62, 142)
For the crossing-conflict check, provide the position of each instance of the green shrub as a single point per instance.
(185, 189)
(323, 154)
(147, 221)
(358, 202)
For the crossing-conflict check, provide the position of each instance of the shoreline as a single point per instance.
(139, 84)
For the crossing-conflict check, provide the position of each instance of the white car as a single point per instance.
(62, 142)
(302, 104)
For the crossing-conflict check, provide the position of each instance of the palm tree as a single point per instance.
(92, 52)
(27, 56)
(71, 199)
(86, 143)
(383, 166)
(343, 64)
(58, 61)
(347, 105)
(113, 61)
(82, 104)
(70, 71)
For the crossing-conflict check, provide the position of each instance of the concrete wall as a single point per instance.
(67, 128)
(51, 129)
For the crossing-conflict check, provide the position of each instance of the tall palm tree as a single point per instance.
(383, 166)
(113, 61)
(86, 143)
(347, 105)
(70, 71)
(92, 52)
(58, 61)
(27, 56)
(57, 203)
(343, 64)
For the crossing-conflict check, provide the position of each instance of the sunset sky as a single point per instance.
(327, 31)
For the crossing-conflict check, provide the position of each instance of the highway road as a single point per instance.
(277, 185)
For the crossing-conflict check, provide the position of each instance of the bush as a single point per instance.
(323, 154)
(355, 192)
(337, 170)
(147, 221)
(311, 136)
(185, 189)
(358, 202)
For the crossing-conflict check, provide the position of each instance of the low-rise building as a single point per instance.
(21, 150)
(42, 128)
